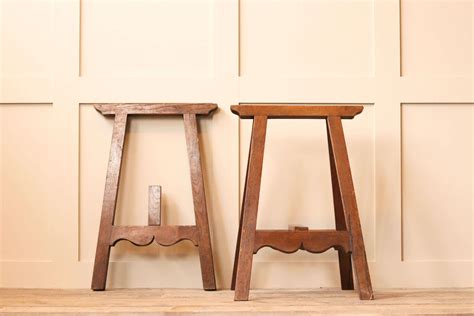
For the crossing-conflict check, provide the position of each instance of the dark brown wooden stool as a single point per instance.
(109, 234)
(346, 238)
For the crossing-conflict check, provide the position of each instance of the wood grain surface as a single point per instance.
(273, 111)
(264, 302)
(156, 108)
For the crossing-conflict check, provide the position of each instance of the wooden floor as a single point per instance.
(263, 302)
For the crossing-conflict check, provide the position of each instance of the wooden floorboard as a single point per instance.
(263, 302)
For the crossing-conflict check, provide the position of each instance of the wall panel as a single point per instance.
(147, 38)
(437, 37)
(28, 177)
(26, 37)
(437, 181)
(289, 38)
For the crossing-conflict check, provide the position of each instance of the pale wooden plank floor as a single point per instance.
(263, 302)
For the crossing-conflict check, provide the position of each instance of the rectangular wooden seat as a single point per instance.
(275, 111)
(156, 108)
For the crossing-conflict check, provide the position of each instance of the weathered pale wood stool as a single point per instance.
(109, 234)
(346, 238)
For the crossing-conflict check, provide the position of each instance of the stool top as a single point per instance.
(155, 108)
(282, 111)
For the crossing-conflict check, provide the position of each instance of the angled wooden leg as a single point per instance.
(237, 247)
(199, 200)
(345, 263)
(102, 253)
(250, 208)
(349, 203)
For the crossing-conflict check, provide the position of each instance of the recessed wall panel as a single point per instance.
(160, 38)
(28, 153)
(437, 37)
(308, 38)
(437, 162)
(26, 38)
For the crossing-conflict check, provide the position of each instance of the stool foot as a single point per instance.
(345, 270)
(366, 295)
(101, 265)
(237, 247)
(239, 297)
(362, 272)
(207, 268)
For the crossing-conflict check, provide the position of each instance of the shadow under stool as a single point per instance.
(346, 238)
(198, 234)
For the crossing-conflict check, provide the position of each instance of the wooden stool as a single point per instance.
(346, 238)
(109, 234)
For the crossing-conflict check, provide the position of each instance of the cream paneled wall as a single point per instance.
(411, 150)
